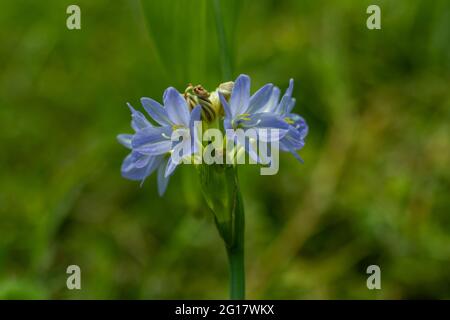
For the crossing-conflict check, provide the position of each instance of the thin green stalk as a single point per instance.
(237, 273)
(225, 55)
(220, 187)
(236, 251)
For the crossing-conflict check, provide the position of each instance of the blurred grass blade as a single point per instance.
(185, 36)
(223, 40)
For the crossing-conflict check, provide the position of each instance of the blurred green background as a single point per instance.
(374, 188)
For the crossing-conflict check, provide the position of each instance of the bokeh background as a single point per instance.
(374, 188)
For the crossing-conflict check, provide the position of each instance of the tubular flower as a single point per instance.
(294, 139)
(151, 146)
(264, 110)
(243, 111)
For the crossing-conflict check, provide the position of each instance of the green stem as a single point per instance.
(220, 187)
(237, 273)
(236, 252)
(225, 56)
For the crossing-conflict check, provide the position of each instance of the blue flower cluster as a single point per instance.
(152, 147)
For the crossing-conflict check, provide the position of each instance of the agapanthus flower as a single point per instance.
(151, 146)
(294, 139)
(243, 111)
(263, 110)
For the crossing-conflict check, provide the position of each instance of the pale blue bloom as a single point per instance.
(264, 109)
(151, 146)
(244, 111)
(294, 140)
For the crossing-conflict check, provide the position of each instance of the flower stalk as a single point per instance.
(155, 146)
(220, 187)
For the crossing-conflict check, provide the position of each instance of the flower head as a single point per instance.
(268, 118)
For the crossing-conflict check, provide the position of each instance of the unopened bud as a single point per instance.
(197, 95)
(226, 88)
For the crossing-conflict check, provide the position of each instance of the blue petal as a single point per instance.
(153, 141)
(226, 108)
(138, 120)
(125, 140)
(170, 168)
(240, 95)
(264, 120)
(153, 164)
(292, 147)
(128, 162)
(195, 116)
(299, 124)
(293, 140)
(290, 105)
(288, 144)
(269, 126)
(225, 105)
(260, 98)
(271, 134)
(176, 106)
(290, 88)
(156, 111)
(165, 94)
(130, 171)
(156, 148)
(163, 181)
(287, 103)
(273, 101)
(295, 154)
(142, 160)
